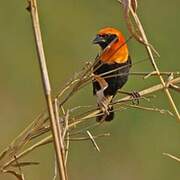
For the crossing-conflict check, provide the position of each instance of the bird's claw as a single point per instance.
(135, 97)
(104, 106)
(103, 101)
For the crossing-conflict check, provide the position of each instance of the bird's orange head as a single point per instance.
(113, 44)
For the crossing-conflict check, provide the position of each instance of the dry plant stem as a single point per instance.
(174, 87)
(172, 156)
(23, 164)
(24, 137)
(162, 111)
(93, 141)
(19, 167)
(67, 148)
(47, 88)
(152, 89)
(59, 126)
(44, 141)
(144, 92)
(55, 170)
(154, 73)
(87, 116)
(128, 8)
(18, 176)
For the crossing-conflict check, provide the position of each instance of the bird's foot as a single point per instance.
(102, 101)
(135, 97)
(134, 94)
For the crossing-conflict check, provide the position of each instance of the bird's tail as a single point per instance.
(106, 116)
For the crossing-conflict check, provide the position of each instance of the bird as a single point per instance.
(111, 69)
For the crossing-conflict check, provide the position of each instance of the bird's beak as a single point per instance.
(98, 39)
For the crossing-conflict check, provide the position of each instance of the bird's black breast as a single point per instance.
(115, 75)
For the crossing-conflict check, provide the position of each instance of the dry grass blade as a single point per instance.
(18, 176)
(175, 87)
(152, 89)
(60, 130)
(55, 169)
(88, 138)
(42, 142)
(172, 156)
(19, 167)
(162, 111)
(67, 148)
(93, 141)
(154, 73)
(22, 164)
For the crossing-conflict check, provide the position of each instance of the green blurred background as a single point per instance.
(138, 138)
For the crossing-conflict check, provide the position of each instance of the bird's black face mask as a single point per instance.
(104, 40)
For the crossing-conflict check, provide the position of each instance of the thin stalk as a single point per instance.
(47, 87)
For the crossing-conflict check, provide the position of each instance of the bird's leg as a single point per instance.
(134, 94)
(102, 100)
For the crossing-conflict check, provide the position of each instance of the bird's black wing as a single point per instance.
(116, 75)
